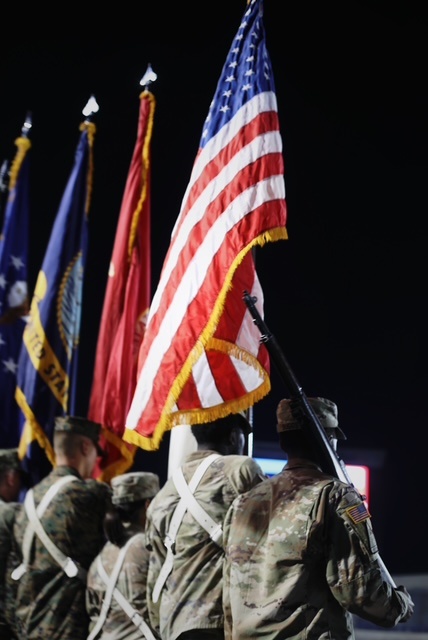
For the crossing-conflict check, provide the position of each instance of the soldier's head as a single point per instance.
(11, 475)
(132, 493)
(76, 443)
(294, 439)
(225, 435)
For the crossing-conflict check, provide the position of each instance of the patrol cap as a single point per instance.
(134, 486)
(325, 410)
(9, 460)
(80, 426)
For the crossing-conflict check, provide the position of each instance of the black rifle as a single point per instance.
(331, 463)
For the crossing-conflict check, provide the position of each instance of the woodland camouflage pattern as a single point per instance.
(49, 604)
(8, 511)
(297, 565)
(192, 595)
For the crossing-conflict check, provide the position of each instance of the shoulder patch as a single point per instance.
(358, 513)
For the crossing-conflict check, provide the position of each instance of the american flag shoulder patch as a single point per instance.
(358, 512)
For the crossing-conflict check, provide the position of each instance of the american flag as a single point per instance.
(201, 356)
(358, 513)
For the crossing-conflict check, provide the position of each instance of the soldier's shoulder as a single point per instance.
(96, 486)
(164, 500)
(244, 466)
(236, 461)
(341, 493)
(8, 513)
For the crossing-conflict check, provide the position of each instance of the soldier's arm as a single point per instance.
(354, 573)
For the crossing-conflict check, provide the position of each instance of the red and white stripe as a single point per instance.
(201, 355)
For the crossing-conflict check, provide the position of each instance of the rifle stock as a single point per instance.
(331, 463)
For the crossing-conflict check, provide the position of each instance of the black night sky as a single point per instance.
(345, 295)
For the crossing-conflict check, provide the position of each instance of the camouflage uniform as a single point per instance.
(9, 460)
(50, 604)
(300, 555)
(191, 598)
(131, 583)
(8, 513)
(12, 475)
(133, 575)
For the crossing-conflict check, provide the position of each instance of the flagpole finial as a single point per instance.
(149, 77)
(28, 123)
(90, 108)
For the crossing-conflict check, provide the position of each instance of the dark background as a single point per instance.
(345, 296)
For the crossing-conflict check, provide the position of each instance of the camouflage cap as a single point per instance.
(9, 460)
(325, 410)
(82, 427)
(134, 486)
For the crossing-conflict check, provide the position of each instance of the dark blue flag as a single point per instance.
(46, 379)
(13, 289)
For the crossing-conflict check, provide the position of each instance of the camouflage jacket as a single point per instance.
(300, 557)
(49, 604)
(131, 583)
(192, 595)
(8, 511)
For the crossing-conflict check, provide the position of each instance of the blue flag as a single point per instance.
(46, 379)
(13, 289)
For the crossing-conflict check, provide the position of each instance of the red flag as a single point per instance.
(201, 355)
(126, 303)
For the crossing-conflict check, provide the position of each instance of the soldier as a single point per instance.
(11, 482)
(116, 587)
(184, 531)
(300, 553)
(58, 533)
(11, 475)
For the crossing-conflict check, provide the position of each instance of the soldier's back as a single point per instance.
(50, 604)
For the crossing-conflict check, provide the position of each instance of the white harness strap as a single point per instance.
(34, 526)
(214, 529)
(113, 592)
(176, 519)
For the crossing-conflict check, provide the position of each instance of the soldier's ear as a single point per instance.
(236, 437)
(86, 446)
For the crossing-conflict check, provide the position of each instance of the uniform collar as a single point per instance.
(302, 463)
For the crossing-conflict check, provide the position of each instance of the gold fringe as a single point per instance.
(145, 170)
(59, 308)
(23, 144)
(119, 466)
(169, 419)
(32, 431)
